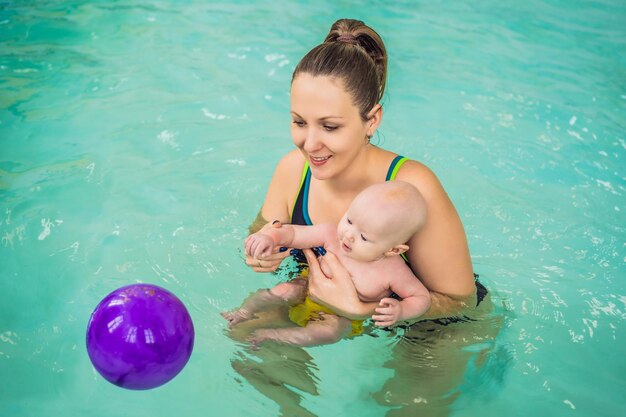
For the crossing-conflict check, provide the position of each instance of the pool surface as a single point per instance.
(137, 139)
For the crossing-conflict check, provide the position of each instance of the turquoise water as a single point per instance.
(137, 140)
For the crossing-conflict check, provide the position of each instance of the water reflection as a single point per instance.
(282, 373)
(432, 365)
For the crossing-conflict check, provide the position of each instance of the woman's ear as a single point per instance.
(397, 250)
(374, 117)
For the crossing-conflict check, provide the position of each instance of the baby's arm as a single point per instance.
(262, 242)
(415, 299)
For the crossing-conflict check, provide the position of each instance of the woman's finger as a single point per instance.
(336, 269)
(314, 265)
(263, 268)
(276, 253)
(332, 261)
(253, 262)
(266, 264)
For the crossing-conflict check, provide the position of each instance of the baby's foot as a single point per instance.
(237, 316)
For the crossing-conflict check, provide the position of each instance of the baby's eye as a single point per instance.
(363, 238)
(349, 221)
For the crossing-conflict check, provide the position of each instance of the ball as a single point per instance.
(140, 336)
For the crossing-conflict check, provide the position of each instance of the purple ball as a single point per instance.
(140, 336)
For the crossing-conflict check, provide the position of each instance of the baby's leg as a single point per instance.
(328, 329)
(285, 293)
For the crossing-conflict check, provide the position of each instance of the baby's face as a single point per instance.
(363, 235)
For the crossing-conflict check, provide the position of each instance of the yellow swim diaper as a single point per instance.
(302, 313)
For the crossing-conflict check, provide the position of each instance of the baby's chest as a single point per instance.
(371, 285)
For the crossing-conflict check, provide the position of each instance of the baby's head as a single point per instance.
(381, 220)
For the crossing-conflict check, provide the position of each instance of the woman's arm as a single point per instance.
(283, 188)
(439, 254)
(442, 306)
(281, 193)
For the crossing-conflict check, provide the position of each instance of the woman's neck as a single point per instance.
(355, 178)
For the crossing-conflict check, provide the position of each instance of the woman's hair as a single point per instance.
(354, 53)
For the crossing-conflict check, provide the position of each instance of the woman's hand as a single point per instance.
(336, 291)
(266, 262)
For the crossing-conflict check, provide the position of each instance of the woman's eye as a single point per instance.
(298, 123)
(363, 238)
(330, 128)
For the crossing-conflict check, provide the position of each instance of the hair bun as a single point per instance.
(348, 38)
(363, 69)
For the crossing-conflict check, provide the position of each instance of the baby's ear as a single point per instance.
(397, 250)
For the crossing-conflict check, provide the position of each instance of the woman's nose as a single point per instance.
(311, 143)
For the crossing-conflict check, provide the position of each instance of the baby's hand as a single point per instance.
(258, 245)
(388, 312)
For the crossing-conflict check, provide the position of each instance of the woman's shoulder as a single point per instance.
(283, 188)
(420, 176)
(290, 163)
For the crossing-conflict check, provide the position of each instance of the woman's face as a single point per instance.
(326, 125)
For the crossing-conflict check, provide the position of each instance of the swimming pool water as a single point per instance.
(137, 140)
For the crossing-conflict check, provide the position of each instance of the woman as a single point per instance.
(335, 93)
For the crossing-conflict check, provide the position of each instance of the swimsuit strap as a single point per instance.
(300, 211)
(397, 162)
(305, 171)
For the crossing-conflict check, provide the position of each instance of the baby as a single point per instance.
(368, 241)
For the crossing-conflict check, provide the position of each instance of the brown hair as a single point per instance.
(354, 53)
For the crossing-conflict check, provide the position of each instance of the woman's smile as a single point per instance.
(319, 160)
